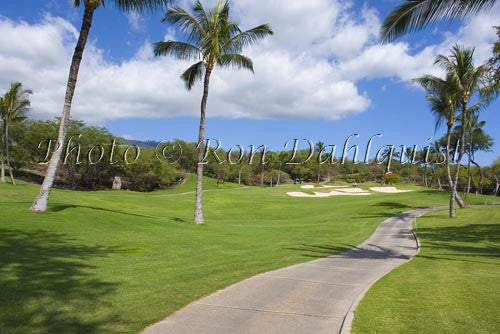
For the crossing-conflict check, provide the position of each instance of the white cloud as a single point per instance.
(135, 20)
(308, 69)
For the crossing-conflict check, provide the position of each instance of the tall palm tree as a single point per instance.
(413, 15)
(443, 101)
(90, 6)
(473, 130)
(468, 81)
(213, 39)
(2, 165)
(13, 107)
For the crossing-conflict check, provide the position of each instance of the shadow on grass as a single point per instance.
(62, 207)
(348, 251)
(47, 285)
(393, 205)
(455, 242)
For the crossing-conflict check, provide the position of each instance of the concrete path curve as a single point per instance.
(314, 297)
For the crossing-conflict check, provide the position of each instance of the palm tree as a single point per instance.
(2, 165)
(443, 101)
(282, 157)
(213, 39)
(90, 6)
(474, 132)
(320, 147)
(414, 15)
(13, 107)
(468, 81)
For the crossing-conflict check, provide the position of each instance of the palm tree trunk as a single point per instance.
(461, 151)
(469, 176)
(40, 203)
(439, 183)
(6, 132)
(278, 180)
(198, 208)
(448, 172)
(497, 185)
(239, 177)
(319, 173)
(2, 176)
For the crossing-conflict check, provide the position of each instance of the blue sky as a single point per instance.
(374, 96)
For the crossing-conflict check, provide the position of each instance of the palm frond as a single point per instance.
(441, 97)
(235, 61)
(193, 74)
(414, 15)
(186, 23)
(179, 50)
(134, 5)
(15, 103)
(141, 5)
(237, 42)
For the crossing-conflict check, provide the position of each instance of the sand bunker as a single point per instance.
(344, 191)
(335, 186)
(329, 194)
(388, 190)
(310, 186)
(353, 190)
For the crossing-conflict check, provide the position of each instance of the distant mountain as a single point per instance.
(140, 143)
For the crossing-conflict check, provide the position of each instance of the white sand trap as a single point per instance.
(388, 190)
(353, 190)
(335, 186)
(331, 193)
(310, 186)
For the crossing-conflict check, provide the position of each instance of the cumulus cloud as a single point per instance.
(308, 69)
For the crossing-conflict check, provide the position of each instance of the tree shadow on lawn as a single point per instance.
(348, 251)
(62, 207)
(47, 285)
(473, 240)
(397, 207)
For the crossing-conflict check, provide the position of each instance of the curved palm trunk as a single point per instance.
(279, 176)
(448, 172)
(497, 184)
(461, 152)
(469, 176)
(6, 132)
(2, 173)
(40, 203)
(198, 208)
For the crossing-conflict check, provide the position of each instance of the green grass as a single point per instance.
(114, 262)
(452, 286)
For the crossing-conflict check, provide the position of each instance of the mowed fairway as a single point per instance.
(115, 262)
(452, 286)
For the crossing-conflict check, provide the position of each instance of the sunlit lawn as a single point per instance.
(452, 286)
(114, 262)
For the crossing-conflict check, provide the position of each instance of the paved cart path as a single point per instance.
(314, 297)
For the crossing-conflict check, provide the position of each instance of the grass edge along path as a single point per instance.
(451, 286)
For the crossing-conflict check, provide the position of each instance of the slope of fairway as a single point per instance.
(452, 286)
(114, 262)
